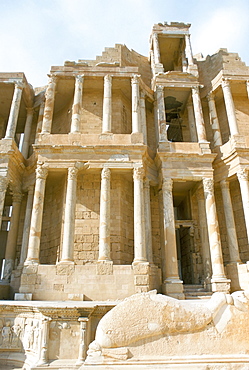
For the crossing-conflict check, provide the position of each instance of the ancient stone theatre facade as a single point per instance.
(123, 175)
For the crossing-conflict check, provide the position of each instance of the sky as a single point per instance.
(36, 34)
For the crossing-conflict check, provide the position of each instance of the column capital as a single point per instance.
(208, 185)
(106, 173)
(108, 78)
(72, 173)
(159, 88)
(135, 79)
(196, 89)
(17, 197)
(242, 174)
(138, 173)
(41, 171)
(79, 78)
(19, 85)
(167, 184)
(52, 78)
(225, 82)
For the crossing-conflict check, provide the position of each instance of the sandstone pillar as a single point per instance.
(214, 120)
(139, 242)
(172, 283)
(230, 223)
(188, 50)
(83, 345)
(104, 217)
(244, 189)
(14, 111)
(161, 115)
(143, 116)
(40, 118)
(10, 252)
(191, 122)
(107, 105)
(136, 125)
(231, 116)
(77, 104)
(27, 132)
(147, 219)
(3, 188)
(69, 219)
(219, 280)
(199, 121)
(26, 227)
(36, 217)
(49, 105)
(156, 49)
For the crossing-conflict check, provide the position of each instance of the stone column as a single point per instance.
(77, 104)
(139, 242)
(69, 219)
(219, 280)
(143, 116)
(36, 217)
(191, 122)
(10, 252)
(199, 121)
(244, 189)
(156, 48)
(214, 120)
(26, 227)
(188, 50)
(231, 116)
(83, 334)
(204, 239)
(14, 111)
(107, 105)
(247, 88)
(230, 223)
(161, 115)
(147, 219)
(136, 126)
(3, 188)
(104, 217)
(44, 333)
(172, 284)
(49, 105)
(27, 132)
(40, 118)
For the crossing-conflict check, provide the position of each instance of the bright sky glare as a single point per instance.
(35, 34)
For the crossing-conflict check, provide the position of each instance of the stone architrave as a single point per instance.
(107, 105)
(36, 217)
(49, 105)
(230, 109)
(69, 221)
(214, 120)
(14, 111)
(77, 104)
(219, 280)
(230, 223)
(139, 236)
(104, 217)
(242, 175)
(161, 115)
(10, 252)
(26, 227)
(143, 116)
(199, 121)
(188, 50)
(147, 219)
(136, 125)
(191, 122)
(27, 132)
(83, 336)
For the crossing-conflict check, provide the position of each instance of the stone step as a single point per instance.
(194, 288)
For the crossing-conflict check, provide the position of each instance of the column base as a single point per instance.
(66, 262)
(139, 261)
(31, 262)
(173, 288)
(221, 285)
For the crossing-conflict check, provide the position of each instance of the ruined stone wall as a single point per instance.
(52, 219)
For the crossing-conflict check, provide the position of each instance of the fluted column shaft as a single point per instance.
(10, 252)
(27, 132)
(136, 126)
(244, 189)
(105, 216)
(188, 50)
(191, 121)
(77, 104)
(156, 49)
(139, 242)
(214, 120)
(230, 223)
(49, 106)
(199, 121)
(26, 227)
(231, 116)
(36, 217)
(14, 111)
(147, 219)
(69, 219)
(213, 231)
(107, 105)
(169, 232)
(161, 115)
(143, 116)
